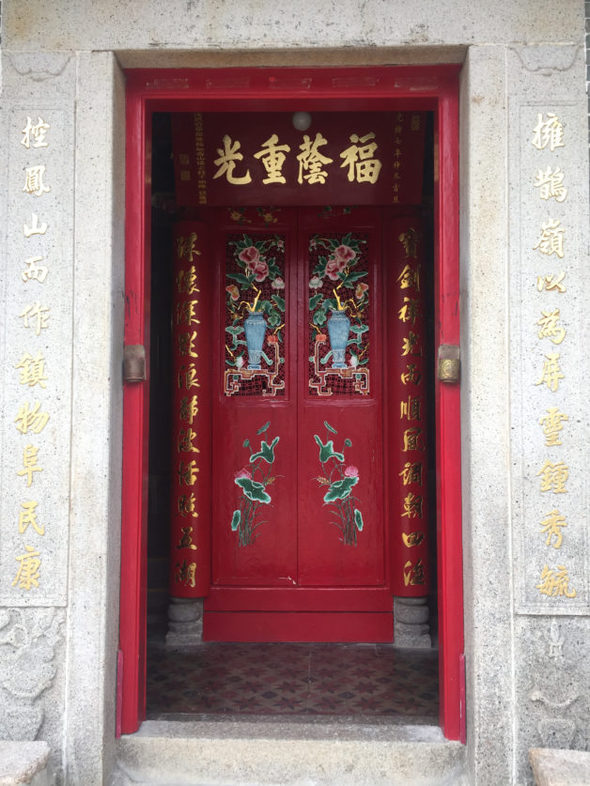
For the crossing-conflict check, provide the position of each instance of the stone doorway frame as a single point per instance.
(434, 88)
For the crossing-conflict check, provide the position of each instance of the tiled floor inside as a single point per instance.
(347, 681)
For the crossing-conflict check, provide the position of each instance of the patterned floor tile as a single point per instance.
(293, 680)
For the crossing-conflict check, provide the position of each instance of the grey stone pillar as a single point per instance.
(185, 621)
(411, 627)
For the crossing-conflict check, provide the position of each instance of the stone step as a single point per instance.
(287, 753)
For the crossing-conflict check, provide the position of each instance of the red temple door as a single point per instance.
(299, 537)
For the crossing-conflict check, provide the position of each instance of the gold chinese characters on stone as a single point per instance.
(551, 526)
(551, 239)
(554, 476)
(549, 181)
(548, 132)
(551, 374)
(27, 575)
(554, 582)
(34, 134)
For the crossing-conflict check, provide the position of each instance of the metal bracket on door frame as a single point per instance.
(449, 363)
(134, 369)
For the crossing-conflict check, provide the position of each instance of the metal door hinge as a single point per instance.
(134, 363)
(449, 363)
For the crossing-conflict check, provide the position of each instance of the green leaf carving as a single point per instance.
(329, 427)
(235, 330)
(352, 278)
(327, 451)
(253, 490)
(274, 319)
(358, 520)
(319, 318)
(347, 443)
(266, 452)
(315, 300)
(235, 520)
(340, 489)
(261, 430)
(280, 302)
(239, 277)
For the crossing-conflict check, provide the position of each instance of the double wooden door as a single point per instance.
(299, 534)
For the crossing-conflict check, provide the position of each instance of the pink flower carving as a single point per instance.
(243, 473)
(345, 253)
(351, 471)
(259, 268)
(334, 266)
(250, 254)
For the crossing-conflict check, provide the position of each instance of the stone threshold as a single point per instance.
(245, 752)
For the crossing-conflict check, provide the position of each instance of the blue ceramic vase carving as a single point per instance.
(338, 331)
(255, 327)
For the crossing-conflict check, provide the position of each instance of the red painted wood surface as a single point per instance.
(325, 558)
(132, 619)
(407, 348)
(369, 159)
(275, 89)
(297, 540)
(448, 413)
(278, 626)
(190, 508)
(299, 599)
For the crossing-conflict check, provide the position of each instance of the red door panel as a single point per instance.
(341, 541)
(254, 540)
(297, 460)
(254, 537)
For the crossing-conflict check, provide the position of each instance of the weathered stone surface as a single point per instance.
(550, 628)
(28, 642)
(548, 377)
(527, 667)
(485, 428)
(557, 767)
(552, 683)
(289, 754)
(262, 25)
(24, 763)
(36, 340)
(410, 622)
(97, 311)
(185, 622)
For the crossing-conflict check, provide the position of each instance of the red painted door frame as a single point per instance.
(276, 89)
